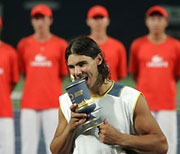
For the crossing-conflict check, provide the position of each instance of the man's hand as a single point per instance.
(108, 134)
(77, 119)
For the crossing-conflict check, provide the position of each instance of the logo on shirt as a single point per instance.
(157, 61)
(1, 71)
(41, 61)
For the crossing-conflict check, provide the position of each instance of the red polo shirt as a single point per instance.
(156, 67)
(43, 64)
(8, 74)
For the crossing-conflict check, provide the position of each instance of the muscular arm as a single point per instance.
(150, 140)
(65, 132)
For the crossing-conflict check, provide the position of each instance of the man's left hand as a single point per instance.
(108, 134)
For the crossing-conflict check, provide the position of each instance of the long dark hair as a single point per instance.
(84, 45)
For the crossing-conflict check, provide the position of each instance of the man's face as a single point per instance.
(41, 23)
(98, 23)
(84, 66)
(156, 23)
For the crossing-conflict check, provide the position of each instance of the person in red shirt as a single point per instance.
(41, 58)
(113, 50)
(155, 66)
(9, 76)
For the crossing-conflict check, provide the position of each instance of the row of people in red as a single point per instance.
(154, 63)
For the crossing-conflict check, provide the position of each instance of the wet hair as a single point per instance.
(86, 46)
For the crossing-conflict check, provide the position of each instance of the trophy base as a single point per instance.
(90, 124)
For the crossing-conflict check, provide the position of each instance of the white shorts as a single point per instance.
(167, 121)
(7, 142)
(31, 123)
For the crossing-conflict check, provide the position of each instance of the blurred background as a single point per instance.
(127, 23)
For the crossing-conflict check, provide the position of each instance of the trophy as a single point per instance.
(79, 94)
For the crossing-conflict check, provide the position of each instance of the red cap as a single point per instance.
(41, 9)
(158, 9)
(97, 10)
(0, 22)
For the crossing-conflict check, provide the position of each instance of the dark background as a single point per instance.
(127, 23)
(127, 18)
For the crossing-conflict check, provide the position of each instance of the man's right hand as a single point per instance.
(77, 119)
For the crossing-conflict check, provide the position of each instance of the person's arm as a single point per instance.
(21, 60)
(176, 78)
(65, 132)
(14, 71)
(177, 63)
(122, 68)
(133, 61)
(13, 85)
(151, 140)
(63, 70)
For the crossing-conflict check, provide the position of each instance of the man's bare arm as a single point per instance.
(65, 132)
(151, 140)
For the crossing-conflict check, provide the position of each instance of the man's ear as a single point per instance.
(109, 21)
(51, 18)
(99, 59)
(167, 22)
(87, 22)
(145, 21)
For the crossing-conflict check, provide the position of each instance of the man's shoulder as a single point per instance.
(139, 40)
(121, 90)
(115, 89)
(118, 89)
(129, 95)
(173, 40)
(115, 41)
(26, 39)
(138, 43)
(8, 49)
(124, 95)
(8, 46)
(127, 90)
(59, 39)
(63, 96)
(65, 103)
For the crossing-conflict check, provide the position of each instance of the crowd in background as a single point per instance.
(154, 64)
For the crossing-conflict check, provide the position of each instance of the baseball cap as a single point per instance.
(41, 9)
(97, 10)
(0, 22)
(158, 9)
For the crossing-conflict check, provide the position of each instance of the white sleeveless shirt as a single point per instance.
(117, 106)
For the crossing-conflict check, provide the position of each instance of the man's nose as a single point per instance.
(156, 22)
(77, 71)
(39, 21)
